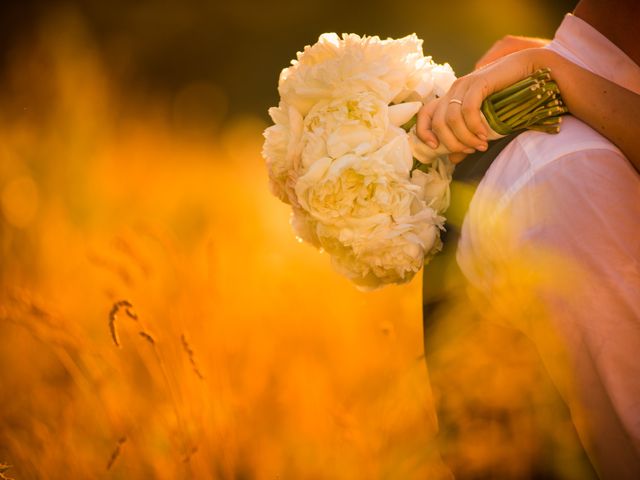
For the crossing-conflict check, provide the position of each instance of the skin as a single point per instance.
(606, 107)
(509, 44)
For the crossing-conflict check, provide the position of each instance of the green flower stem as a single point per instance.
(409, 125)
(523, 94)
(522, 120)
(525, 114)
(531, 103)
(506, 92)
(492, 119)
(550, 121)
(545, 129)
(536, 78)
(544, 114)
(518, 110)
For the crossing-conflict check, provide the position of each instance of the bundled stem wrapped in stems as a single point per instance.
(533, 103)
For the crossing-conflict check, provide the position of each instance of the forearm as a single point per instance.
(510, 44)
(608, 108)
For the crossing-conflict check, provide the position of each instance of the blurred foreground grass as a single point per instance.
(243, 355)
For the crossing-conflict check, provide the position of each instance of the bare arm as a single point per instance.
(509, 44)
(606, 107)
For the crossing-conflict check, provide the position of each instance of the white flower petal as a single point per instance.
(403, 112)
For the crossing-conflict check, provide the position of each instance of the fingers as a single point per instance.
(458, 124)
(448, 125)
(456, 120)
(423, 126)
(472, 114)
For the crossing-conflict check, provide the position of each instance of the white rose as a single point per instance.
(282, 147)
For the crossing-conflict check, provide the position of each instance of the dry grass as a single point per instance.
(3, 469)
(287, 371)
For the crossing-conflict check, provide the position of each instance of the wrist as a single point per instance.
(544, 58)
(526, 62)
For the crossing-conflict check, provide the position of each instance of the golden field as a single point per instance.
(159, 319)
(243, 354)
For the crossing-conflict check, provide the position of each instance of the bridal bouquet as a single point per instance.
(344, 154)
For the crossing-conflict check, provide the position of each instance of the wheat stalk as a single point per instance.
(113, 315)
(189, 454)
(128, 308)
(190, 354)
(147, 337)
(116, 452)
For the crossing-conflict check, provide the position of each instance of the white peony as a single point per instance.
(337, 67)
(282, 147)
(305, 227)
(369, 216)
(426, 81)
(335, 128)
(443, 78)
(337, 153)
(391, 253)
(434, 184)
(356, 188)
(403, 112)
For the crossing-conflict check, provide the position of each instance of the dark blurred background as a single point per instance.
(240, 46)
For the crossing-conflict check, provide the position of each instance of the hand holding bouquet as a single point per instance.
(341, 152)
(512, 94)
